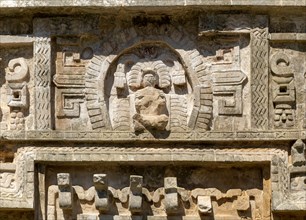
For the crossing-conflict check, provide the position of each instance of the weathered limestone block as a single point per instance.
(150, 116)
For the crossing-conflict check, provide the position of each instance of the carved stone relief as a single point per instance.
(293, 183)
(217, 82)
(71, 58)
(16, 88)
(229, 76)
(17, 92)
(42, 60)
(126, 84)
(287, 86)
(147, 79)
(128, 114)
(137, 196)
(283, 91)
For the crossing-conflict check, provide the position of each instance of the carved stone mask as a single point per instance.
(149, 79)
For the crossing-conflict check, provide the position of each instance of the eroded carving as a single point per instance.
(124, 79)
(144, 80)
(150, 105)
(65, 194)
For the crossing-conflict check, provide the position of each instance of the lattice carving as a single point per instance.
(260, 53)
(42, 59)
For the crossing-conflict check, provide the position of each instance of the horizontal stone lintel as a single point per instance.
(7, 167)
(105, 136)
(16, 204)
(117, 217)
(130, 3)
(135, 217)
(16, 40)
(287, 36)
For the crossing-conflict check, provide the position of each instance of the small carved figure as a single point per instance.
(65, 195)
(150, 104)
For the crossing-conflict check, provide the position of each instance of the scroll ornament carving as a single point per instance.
(17, 92)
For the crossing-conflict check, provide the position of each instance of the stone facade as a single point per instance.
(135, 110)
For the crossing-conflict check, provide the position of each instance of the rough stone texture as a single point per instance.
(153, 110)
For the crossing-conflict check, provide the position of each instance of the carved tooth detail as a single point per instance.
(135, 195)
(101, 196)
(171, 195)
(204, 204)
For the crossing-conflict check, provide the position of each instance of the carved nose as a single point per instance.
(284, 117)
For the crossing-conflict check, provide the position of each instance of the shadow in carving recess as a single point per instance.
(157, 134)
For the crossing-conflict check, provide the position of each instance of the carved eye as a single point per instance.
(140, 97)
(282, 62)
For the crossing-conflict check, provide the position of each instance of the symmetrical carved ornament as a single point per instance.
(149, 73)
(283, 91)
(95, 114)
